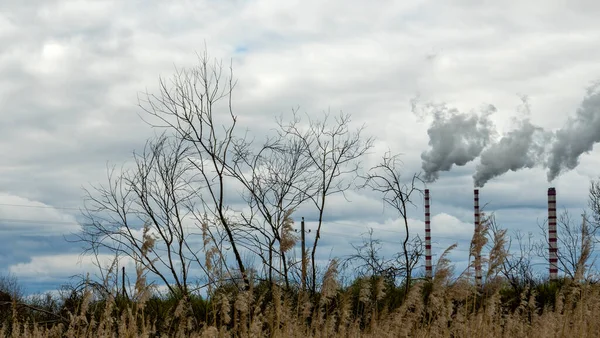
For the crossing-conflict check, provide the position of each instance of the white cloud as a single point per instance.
(26, 217)
(64, 265)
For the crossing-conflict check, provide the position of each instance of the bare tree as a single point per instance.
(577, 240)
(190, 177)
(407, 260)
(386, 179)
(150, 202)
(10, 289)
(576, 244)
(594, 205)
(178, 178)
(517, 268)
(367, 260)
(277, 180)
(197, 108)
(333, 151)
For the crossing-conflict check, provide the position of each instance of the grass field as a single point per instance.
(370, 307)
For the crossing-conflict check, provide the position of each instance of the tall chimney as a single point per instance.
(428, 266)
(477, 227)
(552, 238)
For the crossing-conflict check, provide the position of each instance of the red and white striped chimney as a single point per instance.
(552, 237)
(428, 266)
(477, 224)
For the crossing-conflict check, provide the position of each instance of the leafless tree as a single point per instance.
(407, 262)
(517, 268)
(178, 178)
(277, 180)
(367, 260)
(333, 151)
(386, 179)
(10, 288)
(197, 108)
(576, 244)
(184, 185)
(143, 213)
(594, 205)
(577, 239)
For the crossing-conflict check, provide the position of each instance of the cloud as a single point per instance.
(65, 265)
(26, 217)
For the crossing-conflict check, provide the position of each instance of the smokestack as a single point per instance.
(552, 238)
(428, 266)
(477, 227)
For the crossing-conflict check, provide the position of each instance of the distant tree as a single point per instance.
(594, 205)
(277, 180)
(397, 193)
(367, 259)
(576, 241)
(10, 288)
(517, 267)
(334, 151)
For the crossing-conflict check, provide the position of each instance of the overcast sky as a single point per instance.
(70, 72)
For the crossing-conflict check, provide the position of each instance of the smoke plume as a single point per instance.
(455, 138)
(521, 148)
(578, 136)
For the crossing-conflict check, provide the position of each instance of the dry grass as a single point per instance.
(440, 308)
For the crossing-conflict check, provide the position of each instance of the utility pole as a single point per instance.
(303, 255)
(123, 283)
(584, 230)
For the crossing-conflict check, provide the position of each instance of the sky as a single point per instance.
(493, 84)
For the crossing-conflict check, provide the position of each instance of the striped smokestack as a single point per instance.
(477, 224)
(552, 239)
(428, 266)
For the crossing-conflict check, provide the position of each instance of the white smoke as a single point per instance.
(455, 138)
(458, 138)
(577, 136)
(521, 148)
